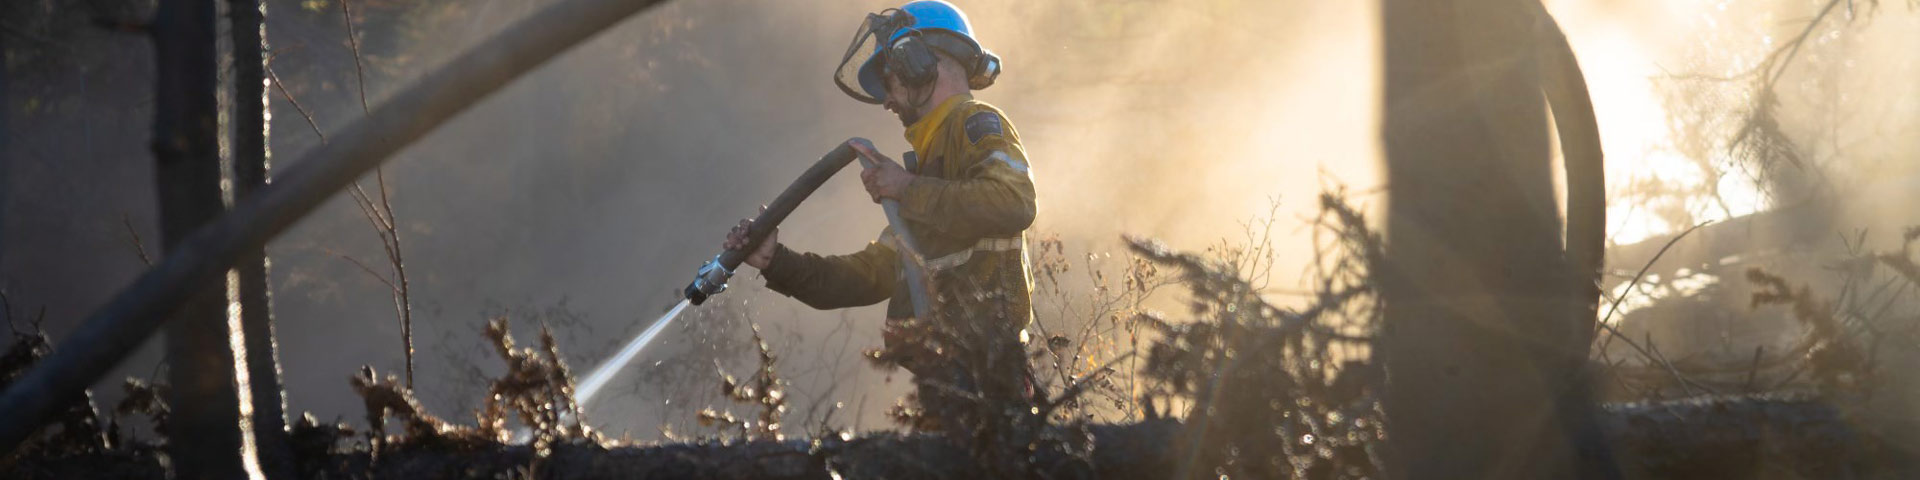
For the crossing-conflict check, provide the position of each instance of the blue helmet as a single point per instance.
(939, 24)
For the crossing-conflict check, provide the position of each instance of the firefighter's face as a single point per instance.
(904, 102)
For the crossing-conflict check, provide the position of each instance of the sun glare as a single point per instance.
(1622, 68)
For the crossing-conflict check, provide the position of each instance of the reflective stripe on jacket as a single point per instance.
(968, 208)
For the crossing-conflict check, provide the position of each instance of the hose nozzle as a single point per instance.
(709, 281)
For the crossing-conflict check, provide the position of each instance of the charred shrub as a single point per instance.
(1272, 392)
(537, 389)
(764, 390)
(975, 385)
(537, 386)
(75, 440)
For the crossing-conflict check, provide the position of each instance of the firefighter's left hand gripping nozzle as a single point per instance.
(709, 281)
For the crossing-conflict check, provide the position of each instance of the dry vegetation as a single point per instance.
(1222, 363)
(1240, 388)
(1275, 392)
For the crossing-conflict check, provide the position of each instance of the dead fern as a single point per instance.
(1275, 392)
(764, 390)
(539, 387)
(148, 399)
(389, 397)
(76, 429)
(1837, 364)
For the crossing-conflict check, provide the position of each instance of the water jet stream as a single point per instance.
(604, 373)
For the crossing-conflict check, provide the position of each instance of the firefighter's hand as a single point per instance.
(886, 178)
(737, 240)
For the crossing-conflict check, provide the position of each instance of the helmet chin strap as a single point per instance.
(913, 111)
(926, 97)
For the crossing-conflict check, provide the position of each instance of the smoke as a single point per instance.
(1693, 137)
(586, 193)
(1670, 86)
(604, 178)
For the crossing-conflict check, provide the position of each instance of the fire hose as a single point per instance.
(712, 278)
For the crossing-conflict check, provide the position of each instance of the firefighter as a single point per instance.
(966, 196)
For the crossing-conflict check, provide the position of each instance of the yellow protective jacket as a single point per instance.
(968, 209)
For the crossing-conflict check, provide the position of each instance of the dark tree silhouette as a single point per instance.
(179, 282)
(206, 439)
(5, 180)
(250, 166)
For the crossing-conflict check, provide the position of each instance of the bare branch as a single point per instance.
(134, 236)
(282, 87)
(360, 74)
(363, 268)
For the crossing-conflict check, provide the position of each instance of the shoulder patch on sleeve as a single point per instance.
(982, 124)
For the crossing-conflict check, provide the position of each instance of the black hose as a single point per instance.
(778, 210)
(803, 187)
(114, 330)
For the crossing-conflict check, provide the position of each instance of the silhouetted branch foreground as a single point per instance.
(203, 257)
(1731, 437)
(1253, 433)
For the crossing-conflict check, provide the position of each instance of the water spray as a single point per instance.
(601, 374)
(712, 277)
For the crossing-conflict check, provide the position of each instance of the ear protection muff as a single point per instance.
(912, 61)
(986, 68)
(893, 43)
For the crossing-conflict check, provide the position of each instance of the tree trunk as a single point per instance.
(206, 434)
(250, 165)
(118, 327)
(112, 331)
(1481, 352)
(6, 161)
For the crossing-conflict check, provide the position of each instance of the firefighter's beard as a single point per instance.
(909, 113)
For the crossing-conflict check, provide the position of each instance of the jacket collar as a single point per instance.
(922, 133)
